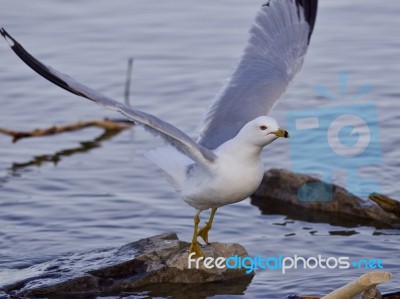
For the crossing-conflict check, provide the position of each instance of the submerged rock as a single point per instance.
(305, 198)
(157, 260)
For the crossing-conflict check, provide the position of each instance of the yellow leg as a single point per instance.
(203, 232)
(195, 246)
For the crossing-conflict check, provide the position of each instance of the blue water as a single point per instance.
(184, 51)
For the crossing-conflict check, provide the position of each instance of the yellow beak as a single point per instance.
(281, 133)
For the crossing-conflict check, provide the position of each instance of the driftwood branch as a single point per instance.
(386, 203)
(364, 286)
(364, 283)
(106, 124)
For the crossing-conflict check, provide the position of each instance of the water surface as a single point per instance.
(184, 51)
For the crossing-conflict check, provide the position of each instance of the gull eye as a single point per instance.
(263, 128)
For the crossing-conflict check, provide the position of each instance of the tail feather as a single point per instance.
(172, 163)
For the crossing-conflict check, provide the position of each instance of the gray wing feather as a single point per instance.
(275, 53)
(168, 132)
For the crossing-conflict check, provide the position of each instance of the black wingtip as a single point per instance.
(36, 65)
(310, 8)
(307, 8)
(7, 37)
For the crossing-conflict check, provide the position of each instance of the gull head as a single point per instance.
(262, 131)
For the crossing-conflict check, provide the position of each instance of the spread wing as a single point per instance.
(275, 53)
(168, 132)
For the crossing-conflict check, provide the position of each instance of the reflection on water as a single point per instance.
(85, 146)
(195, 291)
(176, 291)
(17, 168)
(270, 206)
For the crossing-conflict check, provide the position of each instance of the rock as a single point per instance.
(395, 295)
(157, 260)
(372, 293)
(281, 190)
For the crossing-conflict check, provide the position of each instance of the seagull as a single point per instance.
(224, 165)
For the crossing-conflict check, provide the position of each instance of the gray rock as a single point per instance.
(305, 198)
(157, 260)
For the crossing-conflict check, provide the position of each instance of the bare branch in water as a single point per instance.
(386, 203)
(364, 286)
(364, 283)
(106, 124)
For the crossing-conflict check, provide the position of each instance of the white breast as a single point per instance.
(233, 179)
